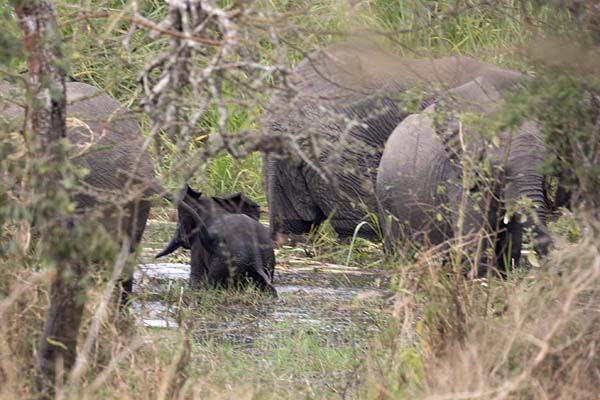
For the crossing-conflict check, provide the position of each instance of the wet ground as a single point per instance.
(336, 303)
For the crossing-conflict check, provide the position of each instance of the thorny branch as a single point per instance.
(211, 49)
(194, 85)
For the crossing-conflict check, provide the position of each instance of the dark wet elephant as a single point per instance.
(346, 103)
(109, 144)
(229, 245)
(420, 184)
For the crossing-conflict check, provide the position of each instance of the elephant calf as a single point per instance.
(425, 191)
(228, 244)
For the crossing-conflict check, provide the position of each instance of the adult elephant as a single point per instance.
(229, 246)
(440, 177)
(108, 142)
(121, 173)
(344, 103)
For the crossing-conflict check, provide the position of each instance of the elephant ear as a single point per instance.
(192, 193)
(477, 96)
(238, 203)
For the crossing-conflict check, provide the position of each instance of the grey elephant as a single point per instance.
(229, 246)
(121, 178)
(345, 103)
(108, 142)
(425, 191)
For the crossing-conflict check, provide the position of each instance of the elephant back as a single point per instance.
(347, 72)
(340, 109)
(109, 144)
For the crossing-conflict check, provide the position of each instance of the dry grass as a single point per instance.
(531, 336)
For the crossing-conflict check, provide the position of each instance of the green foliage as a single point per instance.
(11, 50)
(567, 227)
(227, 175)
(567, 106)
(484, 29)
(94, 45)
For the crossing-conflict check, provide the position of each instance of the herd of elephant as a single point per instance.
(356, 148)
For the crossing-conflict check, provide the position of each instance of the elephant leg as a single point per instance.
(198, 268)
(126, 286)
(140, 211)
(135, 226)
(291, 208)
(220, 271)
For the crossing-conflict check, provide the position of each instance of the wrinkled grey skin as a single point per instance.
(229, 246)
(119, 163)
(109, 143)
(334, 87)
(422, 156)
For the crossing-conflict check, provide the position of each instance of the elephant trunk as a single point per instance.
(173, 245)
(529, 187)
(526, 157)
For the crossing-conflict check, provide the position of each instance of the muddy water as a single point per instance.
(334, 302)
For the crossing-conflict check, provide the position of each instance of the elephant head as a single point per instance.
(195, 213)
(521, 153)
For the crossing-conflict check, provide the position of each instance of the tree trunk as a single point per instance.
(46, 117)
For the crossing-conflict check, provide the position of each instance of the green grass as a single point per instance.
(286, 365)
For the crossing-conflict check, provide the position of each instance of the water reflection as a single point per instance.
(332, 302)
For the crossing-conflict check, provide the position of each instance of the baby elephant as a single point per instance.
(229, 246)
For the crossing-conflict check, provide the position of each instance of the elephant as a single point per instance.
(423, 188)
(343, 104)
(108, 142)
(229, 246)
